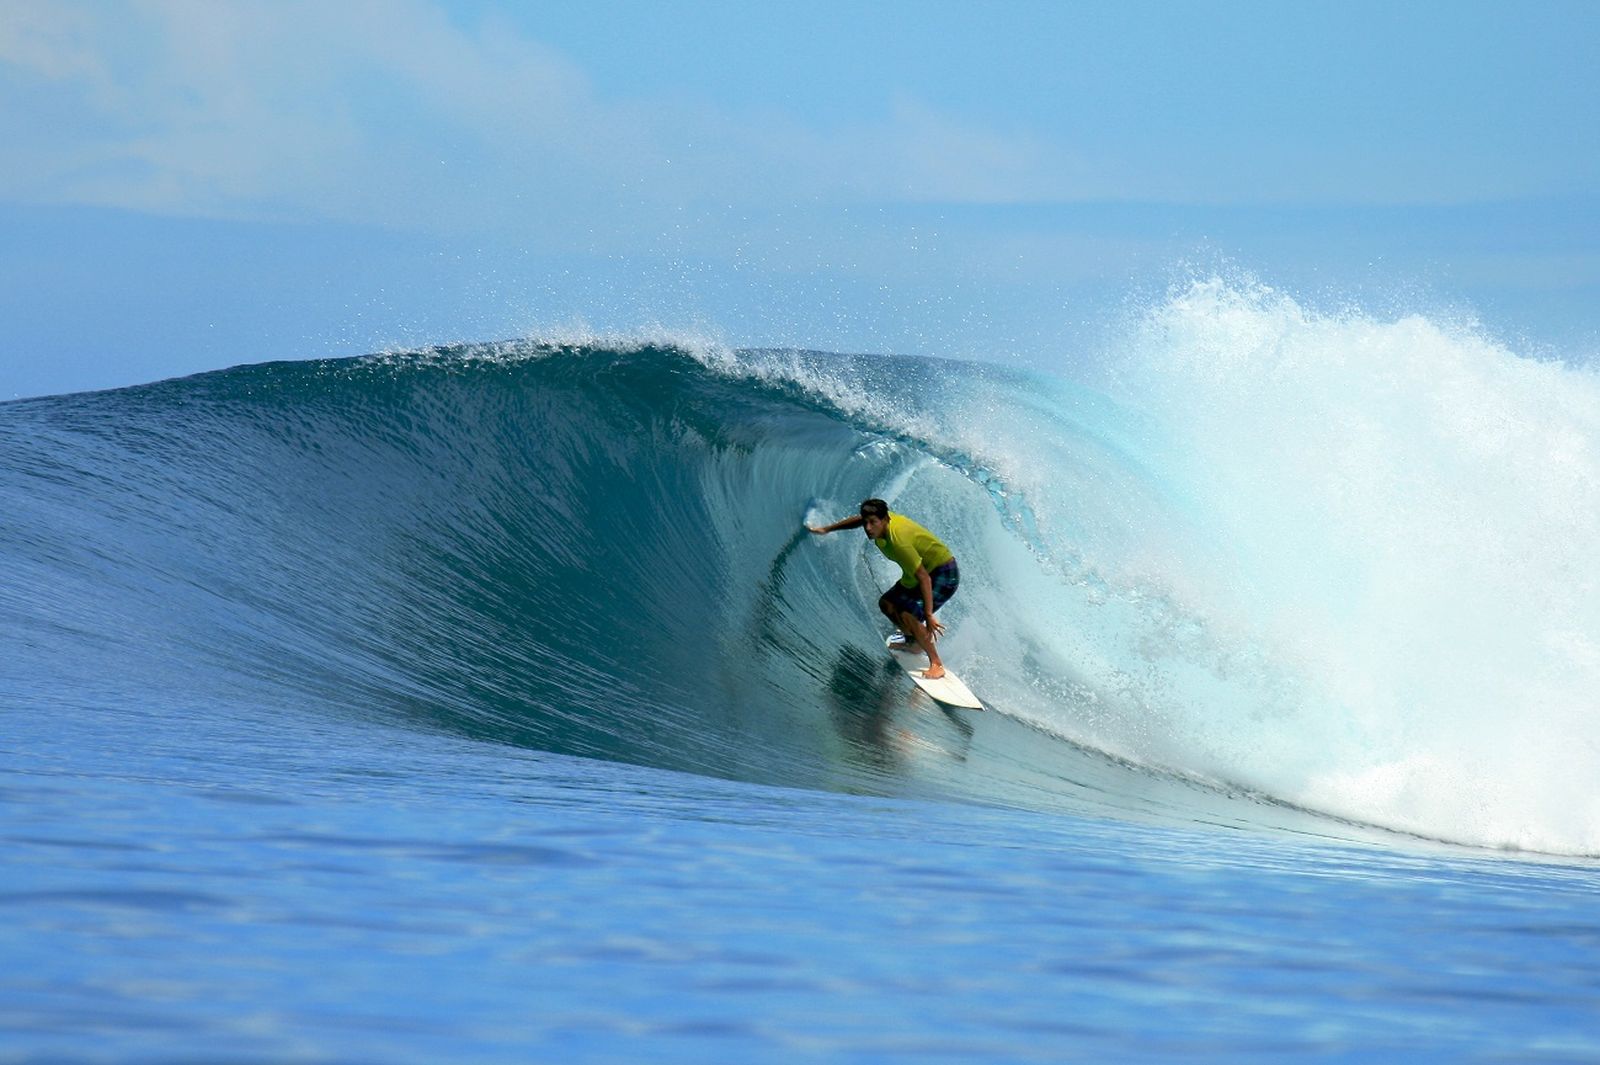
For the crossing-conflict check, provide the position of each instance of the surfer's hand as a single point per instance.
(819, 532)
(935, 626)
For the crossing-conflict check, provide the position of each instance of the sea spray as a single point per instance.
(1404, 516)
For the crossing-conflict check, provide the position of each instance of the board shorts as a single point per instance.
(945, 580)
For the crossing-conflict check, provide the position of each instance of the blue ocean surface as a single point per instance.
(491, 703)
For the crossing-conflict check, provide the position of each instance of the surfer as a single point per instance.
(929, 574)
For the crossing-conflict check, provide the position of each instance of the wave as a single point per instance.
(1269, 565)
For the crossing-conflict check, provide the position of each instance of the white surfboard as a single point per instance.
(948, 689)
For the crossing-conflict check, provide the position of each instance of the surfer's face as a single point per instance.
(875, 527)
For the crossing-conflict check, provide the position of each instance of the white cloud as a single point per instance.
(388, 112)
(293, 108)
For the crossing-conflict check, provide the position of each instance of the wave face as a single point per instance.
(1273, 565)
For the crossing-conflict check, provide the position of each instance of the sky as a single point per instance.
(192, 185)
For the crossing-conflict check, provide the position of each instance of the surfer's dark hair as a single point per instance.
(874, 508)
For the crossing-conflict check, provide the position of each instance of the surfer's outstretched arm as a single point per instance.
(852, 522)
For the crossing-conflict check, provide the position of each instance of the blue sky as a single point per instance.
(194, 185)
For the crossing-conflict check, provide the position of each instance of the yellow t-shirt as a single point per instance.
(908, 545)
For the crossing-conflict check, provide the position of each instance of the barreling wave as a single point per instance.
(598, 550)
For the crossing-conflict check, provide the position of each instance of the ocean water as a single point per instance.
(490, 703)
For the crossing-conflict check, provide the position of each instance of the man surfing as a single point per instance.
(929, 575)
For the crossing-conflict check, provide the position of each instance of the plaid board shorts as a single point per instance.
(945, 579)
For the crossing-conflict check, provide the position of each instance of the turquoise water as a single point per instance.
(488, 704)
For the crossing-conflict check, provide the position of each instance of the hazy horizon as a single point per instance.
(196, 186)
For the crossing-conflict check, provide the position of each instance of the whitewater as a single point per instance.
(500, 686)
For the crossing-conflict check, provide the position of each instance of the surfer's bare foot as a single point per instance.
(933, 672)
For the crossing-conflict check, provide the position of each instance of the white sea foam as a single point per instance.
(1400, 523)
